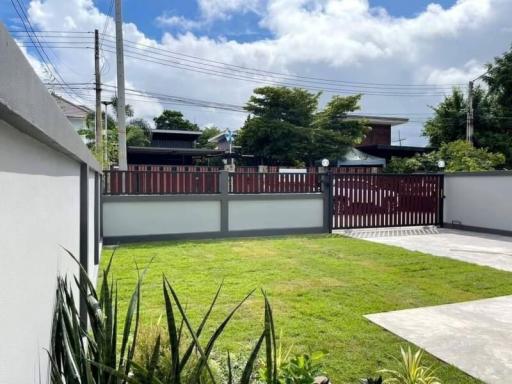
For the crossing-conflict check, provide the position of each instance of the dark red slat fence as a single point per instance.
(380, 200)
(274, 183)
(159, 182)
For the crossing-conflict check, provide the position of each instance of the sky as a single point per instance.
(402, 55)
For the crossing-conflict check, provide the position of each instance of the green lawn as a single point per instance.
(320, 288)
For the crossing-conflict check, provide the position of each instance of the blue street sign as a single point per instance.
(229, 136)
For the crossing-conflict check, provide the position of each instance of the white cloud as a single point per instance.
(336, 39)
(178, 21)
(221, 9)
(455, 75)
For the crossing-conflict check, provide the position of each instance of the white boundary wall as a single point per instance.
(42, 160)
(248, 215)
(140, 218)
(480, 201)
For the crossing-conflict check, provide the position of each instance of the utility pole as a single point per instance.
(98, 89)
(123, 164)
(470, 117)
(105, 139)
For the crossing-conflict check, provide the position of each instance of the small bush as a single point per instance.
(411, 370)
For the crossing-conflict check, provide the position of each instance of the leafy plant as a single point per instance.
(411, 370)
(89, 356)
(301, 369)
(459, 156)
(92, 355)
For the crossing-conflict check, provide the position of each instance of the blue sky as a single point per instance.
(241, 26)
(439, 45)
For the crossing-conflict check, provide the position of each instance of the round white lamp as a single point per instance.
(441, 164)
(325, 163)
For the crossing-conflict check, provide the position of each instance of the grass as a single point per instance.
(320, 288)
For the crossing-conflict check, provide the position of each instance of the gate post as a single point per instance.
(224, 203)
(326, 179)
(441, 200)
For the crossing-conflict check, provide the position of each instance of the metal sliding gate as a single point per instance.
(380, 200)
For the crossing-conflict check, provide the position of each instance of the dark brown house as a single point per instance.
(378, 141)
(170, 147)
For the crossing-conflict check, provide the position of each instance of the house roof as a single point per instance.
(387, 151)
(71, 109)
(383, 120)
(176, 132)
(174, 151)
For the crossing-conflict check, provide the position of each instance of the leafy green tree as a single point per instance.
(138, 133)
(207, 134)
(492, 112)
(499, 80)
(293, 105)
(274, 142)
(128, 109)
(332, 133)
(450, 118)
(459, 156)
(287, 129)
(174, 120)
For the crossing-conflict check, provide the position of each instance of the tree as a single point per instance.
(333, 134)
(293, 105)
(459, 156)
(492, 112)
(138, 133)
(286, 129)
(207, 134)
(174, 120)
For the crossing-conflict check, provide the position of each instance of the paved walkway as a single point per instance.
(478, 248)
(475, 336)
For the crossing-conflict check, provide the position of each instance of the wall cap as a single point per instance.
(27, 106)
(474, 174)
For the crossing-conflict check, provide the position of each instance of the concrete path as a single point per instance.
(478, 248)
(474, 336)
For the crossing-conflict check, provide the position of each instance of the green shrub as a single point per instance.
(411, 370)
(155, 354)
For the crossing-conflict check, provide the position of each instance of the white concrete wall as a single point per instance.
(138, 218)
(40, 157)
(483, 201)
(39, 205)
(91, 267)
(275, 214)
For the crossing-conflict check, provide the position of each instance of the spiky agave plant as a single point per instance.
(198, 370)
(411, 370)
(86, 350)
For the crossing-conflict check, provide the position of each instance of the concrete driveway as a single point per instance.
(474, 336)
(478, 248)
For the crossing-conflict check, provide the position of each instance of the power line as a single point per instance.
(386, 85)
(347, 89)
(221, 74)
(204, 65)
(40, 50)
(253, 71)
